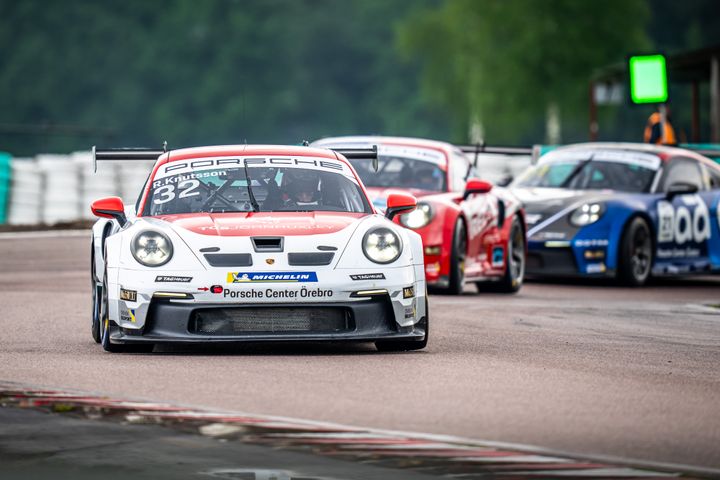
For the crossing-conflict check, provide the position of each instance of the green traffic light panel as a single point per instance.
(648, 79)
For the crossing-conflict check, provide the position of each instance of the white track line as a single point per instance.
(44, 234)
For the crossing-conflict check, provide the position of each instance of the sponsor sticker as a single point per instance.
(595, 268)
(273, 293)
(368, 276)
(687, 221)
(592, 242)
(173, 279)
(128, 295)
(129, 316)
(498, 256)
(271, 277)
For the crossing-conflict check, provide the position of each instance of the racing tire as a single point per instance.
(407, 345)
(457, 259)
(512, 280)
(96, 295)
(107, 327)
(635, 255)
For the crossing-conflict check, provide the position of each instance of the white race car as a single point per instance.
(254, 243)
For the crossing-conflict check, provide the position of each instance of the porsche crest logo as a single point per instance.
(269, 261)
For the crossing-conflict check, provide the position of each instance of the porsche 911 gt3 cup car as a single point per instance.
(621, 209)
(472, 230)
(254, 243)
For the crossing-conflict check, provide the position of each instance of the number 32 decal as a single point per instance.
(186, 188)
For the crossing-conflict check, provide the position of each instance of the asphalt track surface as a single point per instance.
(576, 367)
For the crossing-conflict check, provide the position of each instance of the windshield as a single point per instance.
(589, 174)
(401, 172)
(269, 189)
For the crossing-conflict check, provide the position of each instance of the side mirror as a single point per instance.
(680, 188)
(398, 203)
(475, 185)
(110, 207)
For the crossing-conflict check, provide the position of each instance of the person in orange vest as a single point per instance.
(658, 131)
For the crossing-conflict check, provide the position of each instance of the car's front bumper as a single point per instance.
(375, 304)
(173, 321)
(567, 259)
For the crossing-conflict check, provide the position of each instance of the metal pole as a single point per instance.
(715, 100)
(695, 112)
(663, 119)
(593, 128)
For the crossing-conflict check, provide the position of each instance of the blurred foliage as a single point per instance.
(505, 63)
(214, 71)
(229, 71)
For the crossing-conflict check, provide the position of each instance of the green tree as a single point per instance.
(510, 64)
(216, 71)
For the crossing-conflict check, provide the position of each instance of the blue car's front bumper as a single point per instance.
(569, 258)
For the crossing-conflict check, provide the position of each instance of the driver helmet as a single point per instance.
(303, 188)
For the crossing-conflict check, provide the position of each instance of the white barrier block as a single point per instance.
(25, 192)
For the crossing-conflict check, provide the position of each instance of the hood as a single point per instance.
(245, 224)
(542, 203)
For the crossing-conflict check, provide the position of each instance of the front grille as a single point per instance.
(306, 259)
(556, 261)
(238, 321)
(229, 259)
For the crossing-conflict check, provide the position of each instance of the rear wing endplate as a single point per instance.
(101, 154)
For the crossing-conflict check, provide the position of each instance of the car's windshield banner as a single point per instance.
(641, 159)
(193, 166)
(416, 153)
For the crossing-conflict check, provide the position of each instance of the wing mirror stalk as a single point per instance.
(110, 207)
(474, 186)
(399, 203)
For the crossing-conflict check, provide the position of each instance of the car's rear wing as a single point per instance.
(533, 151)
(101, 154)
(360, 154)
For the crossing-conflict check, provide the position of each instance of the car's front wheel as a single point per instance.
(96, 295)
(514, 260)
(635, 253)
(457, 259)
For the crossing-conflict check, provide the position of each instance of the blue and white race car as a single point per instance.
(621, 209)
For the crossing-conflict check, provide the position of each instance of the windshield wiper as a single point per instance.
(575, 172)
(256, 207)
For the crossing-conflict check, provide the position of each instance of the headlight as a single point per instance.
(151, 248)
(587, 214)
(382, 245)
(419, 217)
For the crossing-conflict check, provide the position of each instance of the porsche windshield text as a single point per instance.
(233, 185)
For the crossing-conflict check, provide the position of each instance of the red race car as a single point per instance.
(472, 231)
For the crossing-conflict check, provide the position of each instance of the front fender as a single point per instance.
(611, 228)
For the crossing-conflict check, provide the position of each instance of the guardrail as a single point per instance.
(50, 189)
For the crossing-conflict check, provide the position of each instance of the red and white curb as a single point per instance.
(431, 454)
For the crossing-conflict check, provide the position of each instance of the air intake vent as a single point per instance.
(267, 244)
(229, 259)
(310, 258)
(238, 321)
